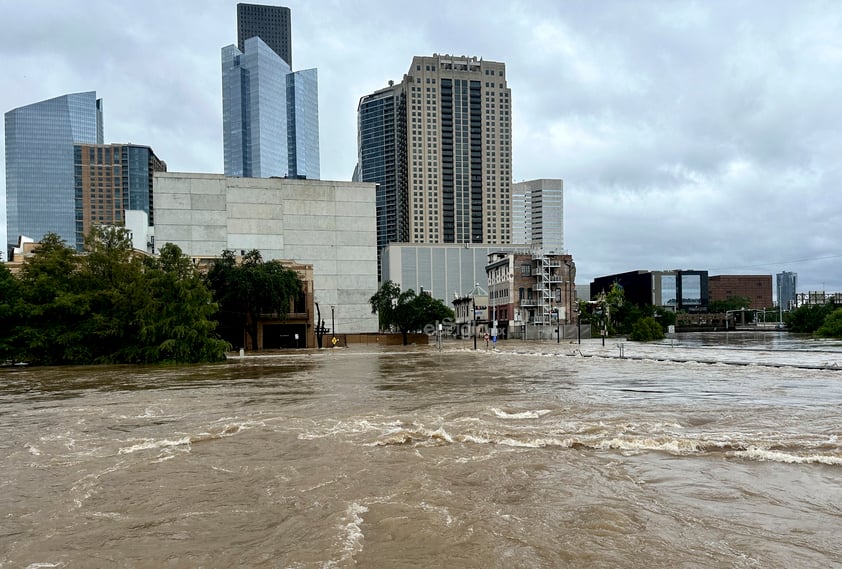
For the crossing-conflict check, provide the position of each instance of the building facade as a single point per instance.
(457, 135)
(270, 114)
(531, 288)
(381, 159)
(111, 180)
(538, 214)
(756, 288)
(303, 124)
(272, 24)
(329, 225)
(678, 290)
(787, 290)
(40, 138)
(446, 271)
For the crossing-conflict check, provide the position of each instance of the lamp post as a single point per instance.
(474, 316)
(332, 325)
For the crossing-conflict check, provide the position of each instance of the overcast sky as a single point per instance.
(696, 135)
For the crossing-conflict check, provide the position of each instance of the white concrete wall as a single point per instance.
(330, 225)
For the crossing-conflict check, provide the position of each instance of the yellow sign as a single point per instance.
(334, 340)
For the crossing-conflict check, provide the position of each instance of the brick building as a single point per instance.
(756, 288)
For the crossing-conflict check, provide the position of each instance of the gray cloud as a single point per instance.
(690, 135)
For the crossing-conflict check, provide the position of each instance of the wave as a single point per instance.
(671, 444)
(148, 444)
(520, 414)
(226, 430)
(765, 455)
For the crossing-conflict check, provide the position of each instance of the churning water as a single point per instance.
(691, 453)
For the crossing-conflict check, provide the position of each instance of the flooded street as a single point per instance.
(684, 454)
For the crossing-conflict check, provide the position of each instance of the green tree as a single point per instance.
(808, 318)
(108, 306)
(832, 325)
(113, 282)
(383, 303)
(731, 303)
(646, 329)
(406, 310)
(10, 314)
(245, 291)
(54, 306)
(176, 323)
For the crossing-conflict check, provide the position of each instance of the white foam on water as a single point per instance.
(442, 435)
(148, 444)
(672, 446)
(40, 565)
(440, 510)
(520, 415)
(764, 455)
(33, 450)
(353, 530)
(540, 442)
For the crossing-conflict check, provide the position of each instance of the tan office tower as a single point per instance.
(458, 147)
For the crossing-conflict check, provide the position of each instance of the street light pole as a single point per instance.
(332, 325)
(474, 316)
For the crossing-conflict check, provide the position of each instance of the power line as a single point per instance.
(776, 264)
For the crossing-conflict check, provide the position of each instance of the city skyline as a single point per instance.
(705, 138)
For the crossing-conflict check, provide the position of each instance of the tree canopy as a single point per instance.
(731, 303)
(249, 289)
(406, 311)
(808, 318)
(107, 306)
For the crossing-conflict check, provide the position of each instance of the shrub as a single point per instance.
(646, 330)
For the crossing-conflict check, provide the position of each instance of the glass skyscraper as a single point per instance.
(270, 114)
(381, 147)
(787, 289)
(254, 111)
(40, 188)
(303, 123)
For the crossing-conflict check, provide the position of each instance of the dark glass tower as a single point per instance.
(272, 24)
(382, 159)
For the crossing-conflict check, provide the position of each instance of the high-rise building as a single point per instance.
(270, 114)
(303, 124)
(457, 135)
(787, 290)
(254, 111)
(40, 188)
(272, 24)
(382, 159)
(111, 180)
(538, 214)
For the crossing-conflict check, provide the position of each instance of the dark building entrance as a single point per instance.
(277, 336)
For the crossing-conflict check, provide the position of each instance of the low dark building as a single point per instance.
(679, 290)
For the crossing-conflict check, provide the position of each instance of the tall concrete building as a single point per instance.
(538, 214)
(111, 180)
(40, 138)
(457, 135)
(270, 114)
(787, 289)
(329, 225)
(272, 24)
